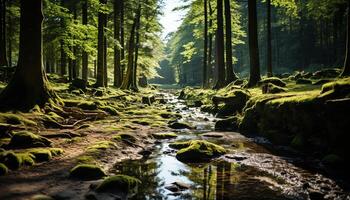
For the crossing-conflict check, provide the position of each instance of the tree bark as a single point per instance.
(210, 53)
(346, 69)
(3, 57)
(100, 48)
(122, 40)
(205, 51)
(230, 74)
(85, 56)
(29, 85)
(117, 51)
(253, 44)
(269, 45)
(105, 69)
(75, 50)
(137, 45)
(220, 60)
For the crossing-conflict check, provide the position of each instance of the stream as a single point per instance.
(250, 170)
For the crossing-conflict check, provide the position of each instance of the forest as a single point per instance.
(174, 99)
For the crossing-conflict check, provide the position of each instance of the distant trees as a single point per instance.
(29, 85)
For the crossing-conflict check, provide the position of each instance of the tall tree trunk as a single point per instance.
(220, 58)
(137, 45)
(29, 85)
(117, 51)
(205, 53)
(9, 35)
(253, 44)
(100, 48)
(105, 54)
(3, 57)
(122, 40)
(85, 56)
(210, 53)
(63, 60)
(75, 50)
(230, 74)
(269, 45)
(346, 69)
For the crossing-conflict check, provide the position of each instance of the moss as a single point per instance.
(143, 122)
(10, 159)
(56, 151)
(274, 80)
(161, 136)
(41, 155)
(41, 197)
(26, 159)
(110, 110)
(15, 119)
(102, 145)
(336, 89)
(197, 151)
(3, 169)
(86, 159)
(118, 182)
(85, 105)
(229, 124)
(125, 136)
(272, 89)
(25, 139)
(87, 172)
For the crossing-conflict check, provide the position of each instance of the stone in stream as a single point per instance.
(180, 125)
(87, 172)
(163, 136)
(118, 183)
(213, 135)
(229, 124)
(197, 151)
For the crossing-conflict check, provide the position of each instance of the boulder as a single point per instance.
(87, 172)
(229, 124)
(162, 136)
(10, 159)
(121, 183)
(233, 102)
(25, 139)
(327, 73)
(197, 151)
(179, 125)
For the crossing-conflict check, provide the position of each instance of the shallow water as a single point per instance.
(249, 171)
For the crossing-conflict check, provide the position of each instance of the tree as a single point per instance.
(85, 56)
(205, 52)
(346, 69)
(29, 85)
(3, 57)
(230, 74)
(117, 52)
(269, 46)
(254, 77)
(102, 18)
(220, 60)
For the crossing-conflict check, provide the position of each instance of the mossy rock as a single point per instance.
(87, 105)
(25, 139)
(179, 125)
(197, 151)
(41, 197)
(336, 89)
(229, 124)
(271, 88)
(231, 102)
(27, 159)
(273, 80)
(3, 169)
(122, 183)
(303, 81)
(56, 151)
(15, 119)
(10, 159)
(87, 172)
(163, 136)
(41, 155)
(125, 136)
(101, 145)
(327, 73)
(322, 81)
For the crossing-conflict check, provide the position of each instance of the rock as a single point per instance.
(3, 169)
(41, 197)
(25, 139)
(179, 125)
(233, 102)
(270, 88)
(125, 136)
(197, 150)
(198, 104)
(99, 92)
(79, 84)
(327, 73)
(182, 95)
(229, 124)
(303, 81)
(122, 183)
(322, 81)
(316, 195)
(10, 159)
(87, 172)
(41, 155)
(213, 135)
(172, 188)
(162, 136)
(273, 80)
(181, 185)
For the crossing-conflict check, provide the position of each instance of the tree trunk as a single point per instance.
(122, 40)
(63, 60)
(75, 50)
(230, 74)
(29, 85)
(220, 60)
(105, 69)
(3, 57)
(253, 44)
(117, 51)
(85, 56)
(269, 45)
(137, 45)
(100, 48)
(346, 69)
(205, 52)
(9, 35)
(210, 53)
